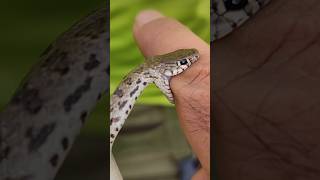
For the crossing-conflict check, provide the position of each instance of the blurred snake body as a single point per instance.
(227, 15)
(157, 69)
(40, 123)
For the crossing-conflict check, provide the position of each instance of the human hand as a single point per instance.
(266, 95)
(156, 34)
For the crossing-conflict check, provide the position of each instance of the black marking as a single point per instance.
(54, 160)
(119, 92)
(117, 129)
(138, 81)
(39, 136)
(29, 98)
(76, 95)
(65, 143)
(112, 135)
(83, 116)
(57, 62)
(130, 106)
(233, 5)
(144, 83)
(4, 153)
(136, 98)
(99, 96)
(92, 64)
(116, 119)
(128, 81)
(122, 104)
(127, 111)
(134, 91)
(108, 70)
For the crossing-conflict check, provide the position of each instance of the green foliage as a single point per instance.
(124, 54)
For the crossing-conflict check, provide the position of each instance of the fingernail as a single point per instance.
(147, 16)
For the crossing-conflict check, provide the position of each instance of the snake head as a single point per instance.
(174, 63)
(165, 66)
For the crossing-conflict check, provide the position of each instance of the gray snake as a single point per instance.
(156, 69)
(43, 118)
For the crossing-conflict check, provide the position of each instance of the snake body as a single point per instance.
(40, 123)
(227, 15)
(156, 69)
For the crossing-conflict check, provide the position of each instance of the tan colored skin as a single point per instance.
(277, 133)
(156, 34)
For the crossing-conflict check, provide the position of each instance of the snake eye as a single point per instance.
(183, 62)
(235, 4)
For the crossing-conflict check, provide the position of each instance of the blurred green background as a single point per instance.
(125, 54)
(27, 28)
(151, 144)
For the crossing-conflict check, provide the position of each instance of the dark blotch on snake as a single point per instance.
(83, 116)
(134, 91)
(128, 81)
(4, 152)
(99, 96)
(108, 70)
(122, 104)
(29, 98)
(65, 143)
(138, 81)
(112, 135)
(76, 95)
(54, 160)
(57, 62)
(144, 83)
(116, 119)
(39, 136)
(92, 64)
(119, 92)
(235, 5)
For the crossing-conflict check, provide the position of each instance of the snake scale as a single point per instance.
(227, 15)
(43, 118)
(156, 69)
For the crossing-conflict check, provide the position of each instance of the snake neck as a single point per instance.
(124, 97)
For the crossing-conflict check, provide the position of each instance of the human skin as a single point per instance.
(266, 95)
(156, 34)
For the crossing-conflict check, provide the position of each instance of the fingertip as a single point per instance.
(146, 16)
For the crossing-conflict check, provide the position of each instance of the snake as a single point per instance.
(157, 69)
(43, 118)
